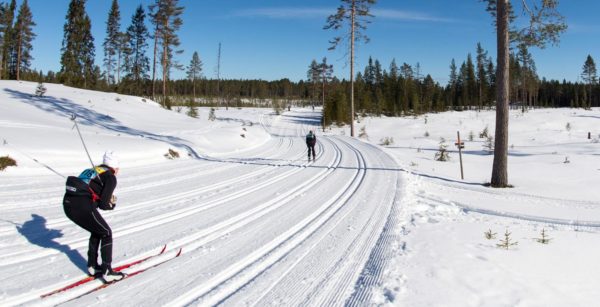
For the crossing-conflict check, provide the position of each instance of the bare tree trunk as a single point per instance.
(194, 87)
(154, 63)
(164, 72)
(352, 16)
(118, 67)
(19, 57)
(499, 169)
(165, 59)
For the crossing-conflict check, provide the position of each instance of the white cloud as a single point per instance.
(306, 13)
(284, 13)
(407, 16)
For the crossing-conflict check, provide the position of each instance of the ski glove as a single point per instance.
(113, 202)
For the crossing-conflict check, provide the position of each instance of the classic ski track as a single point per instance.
(243, 220)
(519, 216)
(154, 178)
(34, 297)
(317, 240)
(18, 257)
(243, 271)
(356, 254)
(259, 171)
(344, 270)
(278, 202)
(149, 176)
(197, 240)
(24, 255)
(516, 195)
(373, 271)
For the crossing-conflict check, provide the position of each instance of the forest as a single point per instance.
(379, 89)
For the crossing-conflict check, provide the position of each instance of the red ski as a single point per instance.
(90, 278)
(129, 275)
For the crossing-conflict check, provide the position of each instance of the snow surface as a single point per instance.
(259, 225)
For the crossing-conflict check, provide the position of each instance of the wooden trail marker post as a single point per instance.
(460, 146)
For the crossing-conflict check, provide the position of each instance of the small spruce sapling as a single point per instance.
(489, 144)
(507, 242)
(40, 90)
(442, 154)
(490, 235)
(544, 239)
(484, 134)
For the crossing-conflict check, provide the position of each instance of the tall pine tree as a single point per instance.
(545, 25)
(23, 35)
(111, 42)
(7, 17)
(77, 58)
(194, 71)
(589, 76)
(313, 76)
(137, 63)
(482, 82)
(166, 17)
(353, 14)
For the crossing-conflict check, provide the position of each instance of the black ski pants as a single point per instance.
(85, 214)
(311, 148)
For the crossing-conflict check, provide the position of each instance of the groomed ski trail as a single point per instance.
(263, 228)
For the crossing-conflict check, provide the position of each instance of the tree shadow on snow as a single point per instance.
(65, 107)
(36, 232)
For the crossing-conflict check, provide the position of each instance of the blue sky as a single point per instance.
(269, 39)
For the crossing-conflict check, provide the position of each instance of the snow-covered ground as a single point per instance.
(442, 256)
(259, 225)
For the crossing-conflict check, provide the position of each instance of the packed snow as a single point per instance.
(257, 224)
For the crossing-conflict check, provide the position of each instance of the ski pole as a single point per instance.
(73, 118)
(34, 159)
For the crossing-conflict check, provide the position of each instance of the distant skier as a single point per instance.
(311, 140)
(93, 189)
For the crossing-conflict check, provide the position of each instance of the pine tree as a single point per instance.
(546, 25)
(453, 83)
(123, 53)
(23, 37)
(326, 72)
(491, 78)
(111, 42)
(589, 76)
(194, 71)
(313, 76)
(355, 14)
(166, 17)
(137, 62)
(40, 90)
(7, 25)
(471, 82)
(482, 82)
(77, 58)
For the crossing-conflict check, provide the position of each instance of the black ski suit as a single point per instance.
(311, 140)
(84, 212)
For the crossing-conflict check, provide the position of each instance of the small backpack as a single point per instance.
(80, 185)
